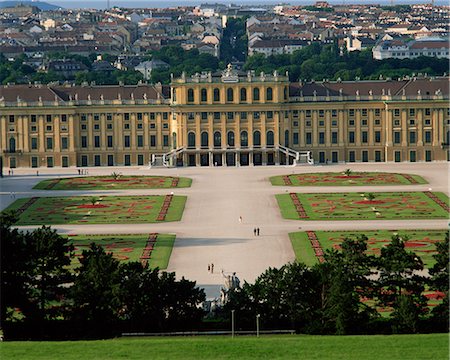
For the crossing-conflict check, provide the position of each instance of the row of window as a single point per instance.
(217, 139)
(126, 126)
(243, 96)
(126, 141)
(110, 161)
(126, 116)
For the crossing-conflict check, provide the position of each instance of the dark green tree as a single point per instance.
(440, 279)
(347, 280)
(95, 292)
(49, 257)
(399, 284)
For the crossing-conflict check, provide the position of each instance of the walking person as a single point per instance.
(254, 231)
(240, 219)
(209, 268)
(257, 231)
(212, 268)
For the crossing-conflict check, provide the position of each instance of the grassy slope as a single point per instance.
(434, 346)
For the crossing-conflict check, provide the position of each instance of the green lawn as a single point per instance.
(392, 347)
(107, 210)
(422, 242)
(356, 206)
(302, 248)
(110, 183)
(340, 179)
(126, 247)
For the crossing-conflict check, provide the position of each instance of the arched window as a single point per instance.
(230, 138)
(174, 95)
(256, 138)
(203, 95)
(256, 94)
(217, 139)
(270, 138)
(243, 94)
(204, 139)
(230, 94)
(286, 138)
(190, 95)
(269, 94)
(12, 145)
(174, 140)
(191, 139)
(244, 138)
(285, 92)
(216, 94)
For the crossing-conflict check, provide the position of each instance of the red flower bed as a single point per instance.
(113, 180)
(348, 177)
(414, 244)
(437, 295)
(370, 202)
(97, 206)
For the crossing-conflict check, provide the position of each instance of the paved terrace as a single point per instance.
(210, 231)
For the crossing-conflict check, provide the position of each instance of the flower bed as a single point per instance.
(109, 182)
(108, 209)
(341, 179)
(355, 206)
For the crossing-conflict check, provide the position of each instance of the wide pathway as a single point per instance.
(210, 231)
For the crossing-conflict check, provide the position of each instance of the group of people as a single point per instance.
(83, 172)
(211, 268)
(256, 231)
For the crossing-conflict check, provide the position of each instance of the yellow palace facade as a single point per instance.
(227, 119)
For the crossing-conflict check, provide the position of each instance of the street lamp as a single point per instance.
(232, 323)
(257, 325)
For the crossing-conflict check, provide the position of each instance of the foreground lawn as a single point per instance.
(357, 206)
(422, 242)
(106, 210)
(393, 347)
(127, 247)
(340, 179)
(111, 183)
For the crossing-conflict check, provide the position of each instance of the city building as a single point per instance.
(231, 118)
(400, 49)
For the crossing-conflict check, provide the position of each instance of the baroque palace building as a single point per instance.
(227, 119)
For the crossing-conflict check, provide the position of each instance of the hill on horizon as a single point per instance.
(39, 4)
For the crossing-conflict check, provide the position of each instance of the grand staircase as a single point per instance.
(300, 157)
(165, 160)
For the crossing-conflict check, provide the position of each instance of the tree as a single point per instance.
(439, 279)
(96, 287)
(49, 255)
(289, 296)
(155, 301)
(398, 277)
(347, 280)
(33, 268)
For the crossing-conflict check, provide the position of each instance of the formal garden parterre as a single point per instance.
(347, 178)
(421, 242)
(99, 210)
(363, 206)
(151, 250)
(114, 182)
